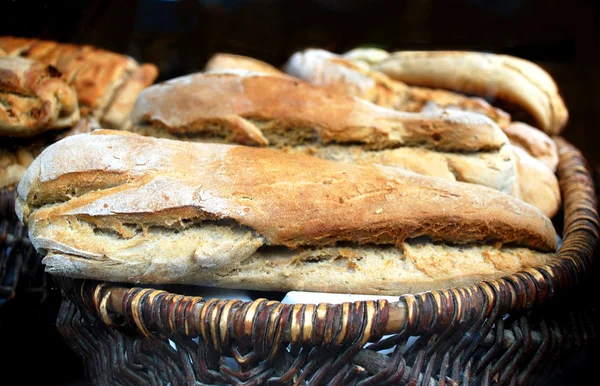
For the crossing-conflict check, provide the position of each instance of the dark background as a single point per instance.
(179, 36)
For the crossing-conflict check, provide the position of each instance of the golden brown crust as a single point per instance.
(515, 80)
(286, 108)
(33, 98)
(155, 181)
(13, 46)
(100, 77)
(117, 113)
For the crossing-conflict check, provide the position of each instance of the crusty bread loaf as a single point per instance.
(106, 83)
(329, 70)
(513, 79)
(118, 206)
(259, 109)
(116, 115)
(33, 99)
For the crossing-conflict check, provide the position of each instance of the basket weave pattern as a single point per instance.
(494, 332)
(20, 265)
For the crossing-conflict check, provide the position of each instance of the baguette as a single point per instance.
(332, 71)
(119, 206)
(33, 99)
(106, 83)
(512, 79)
(263, 110)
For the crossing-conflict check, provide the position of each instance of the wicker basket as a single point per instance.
(21, 270)
(497, 332)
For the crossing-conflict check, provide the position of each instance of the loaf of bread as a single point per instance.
(113, 205)
(106, 83)
(329, 70)
(505, 77)
(33, 99)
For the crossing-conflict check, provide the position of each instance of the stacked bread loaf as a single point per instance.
(106, 83)
(330, 116)
(330, 176)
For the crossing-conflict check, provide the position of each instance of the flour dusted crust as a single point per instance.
(106, 83)
(33, 98)
(118, 206)
(242, 102)
(513, 79)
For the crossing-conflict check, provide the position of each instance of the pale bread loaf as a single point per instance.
(329, 70)
(489, 75)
